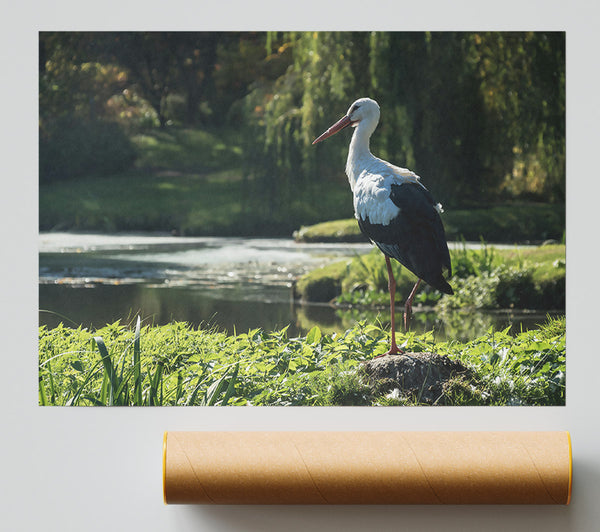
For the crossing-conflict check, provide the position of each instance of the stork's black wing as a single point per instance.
(415, 237)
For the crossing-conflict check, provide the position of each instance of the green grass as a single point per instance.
(322, 284)
(186, 149)
(212, 204)
(186, 181)
(515, 222)
(345, 230)
(191, 181)
(140, 201)
(488, 278)
(178, 365)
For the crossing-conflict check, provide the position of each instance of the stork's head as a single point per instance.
(362, 111)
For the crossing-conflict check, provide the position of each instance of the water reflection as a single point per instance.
(461, 325)
(95, 306)
(233, 284)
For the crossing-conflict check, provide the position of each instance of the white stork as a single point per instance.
(394, 210)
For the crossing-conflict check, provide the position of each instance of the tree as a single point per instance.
(475, 114)
(288, 112)
(522, 80)
(74, 140)
(71, 80)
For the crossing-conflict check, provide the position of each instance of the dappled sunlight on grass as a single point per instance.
(167, 186)
(188, 202)
(187, 181)
(184, 148)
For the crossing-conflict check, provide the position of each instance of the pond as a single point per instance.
(230, 283)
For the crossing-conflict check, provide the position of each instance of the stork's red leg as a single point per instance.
(408, 306)
(394, 349)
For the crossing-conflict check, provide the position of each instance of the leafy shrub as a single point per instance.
(528, 369)
(71, 147)
(488, 277)
(515, 288)
(178, 365)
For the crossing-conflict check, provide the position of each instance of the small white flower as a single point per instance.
(394, 394)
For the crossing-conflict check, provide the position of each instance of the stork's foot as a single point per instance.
(394, 350)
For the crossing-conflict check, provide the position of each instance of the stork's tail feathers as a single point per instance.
(443, 286)
(438, 281)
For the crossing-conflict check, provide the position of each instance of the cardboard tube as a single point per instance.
(367, 467)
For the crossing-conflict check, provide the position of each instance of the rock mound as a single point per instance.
(417, 376)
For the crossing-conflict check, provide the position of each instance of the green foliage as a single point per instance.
(159, 66)
(70, 147)
(523, 370)
(512, 222)
(323, 284)
(431, 92)
(177, 365)
(467, 262)
(502, 287)
(183, 201)
(475, 114)
(72, 83)
(285, 115)
(481, 116)
(522, 79)
(188, 149)
(487, 277)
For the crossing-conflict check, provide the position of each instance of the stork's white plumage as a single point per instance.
(393, 209)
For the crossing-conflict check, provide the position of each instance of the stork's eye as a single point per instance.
(354, 108)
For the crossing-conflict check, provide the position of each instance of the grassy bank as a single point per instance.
(184, 203)
(178, 365)
(516, 222)
(190, 181)
(185, 181)
(487, 278)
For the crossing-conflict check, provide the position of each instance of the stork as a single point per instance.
(394, 210)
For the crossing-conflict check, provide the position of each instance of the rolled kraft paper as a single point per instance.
(367, 467)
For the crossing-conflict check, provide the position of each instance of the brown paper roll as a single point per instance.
(367, 467)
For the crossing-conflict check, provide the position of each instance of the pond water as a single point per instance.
(232, 283)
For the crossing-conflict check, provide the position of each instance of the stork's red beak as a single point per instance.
(338, 126)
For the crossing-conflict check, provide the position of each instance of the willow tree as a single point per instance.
(431, 116)
(288, 113)
(522, 83)
(477, 115)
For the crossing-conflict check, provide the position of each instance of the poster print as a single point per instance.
(197, 247)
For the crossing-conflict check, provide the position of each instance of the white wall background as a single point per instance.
(89, 469)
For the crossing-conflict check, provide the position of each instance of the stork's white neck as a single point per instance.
(359, 153)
